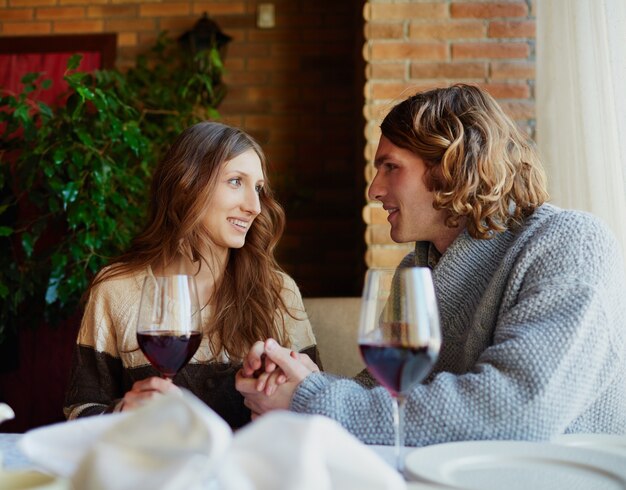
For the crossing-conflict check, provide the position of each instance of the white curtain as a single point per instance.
(581, 105)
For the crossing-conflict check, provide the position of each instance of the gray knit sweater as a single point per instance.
(534, 342)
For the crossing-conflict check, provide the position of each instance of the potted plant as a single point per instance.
(74, 176)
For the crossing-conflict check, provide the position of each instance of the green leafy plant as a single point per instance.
(74, 177)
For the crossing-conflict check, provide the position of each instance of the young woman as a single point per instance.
(211, 215)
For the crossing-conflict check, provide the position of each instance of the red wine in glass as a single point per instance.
(168, 350)
(399, 334)
(169, 327)
(398, 367)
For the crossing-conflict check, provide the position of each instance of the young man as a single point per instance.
(530, 296)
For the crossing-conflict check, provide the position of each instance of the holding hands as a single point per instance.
(270, 375)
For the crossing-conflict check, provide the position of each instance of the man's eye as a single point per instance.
(390, 166)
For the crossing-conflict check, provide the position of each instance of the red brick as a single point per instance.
(412, 51)
(270, 35)
(512, 29)
(512, 69)
(387, 70)
(271, 64)
(297, 19)
(519, 110)
(234, 63)
(490, 50)
(108, 11)
(26, 28)
(83, 2)
(131, 25)
(219, 8)
(449, 70)
(238, 49)
(376, 30)
(78, 26)
(127, 39)
(66, 13)
(16, 14)
(164, 9)
(507, 90)
(395, 90)
(386, 255)
(403, 11)
(447, 30)
(176, 26)
(239, 106)
(379, 234)
(245, 78)
(30, 3)
(326, 36)
(488, 10)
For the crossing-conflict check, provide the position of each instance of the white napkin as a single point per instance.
(284, 450)
(6, 412)
(178, 442)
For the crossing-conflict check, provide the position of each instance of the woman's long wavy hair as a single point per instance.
(480, 165)
(247, 302)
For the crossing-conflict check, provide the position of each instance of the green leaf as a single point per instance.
(30, 77)
(44, 109)
(59, 154)
(21, 113)
(51, 291)
(84, 136)
(69, 193)
(6, 231)
(28, 243)
(46, 84)
(4, 291)
(74, 61)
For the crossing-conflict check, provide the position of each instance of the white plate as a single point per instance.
(513, 465)
(602, 442)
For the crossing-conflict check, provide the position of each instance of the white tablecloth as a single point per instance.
(14, 459)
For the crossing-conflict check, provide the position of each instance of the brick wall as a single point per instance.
(416, 45)
(298, 88)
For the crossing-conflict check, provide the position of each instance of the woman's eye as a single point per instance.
(235, 182)
(258, 189)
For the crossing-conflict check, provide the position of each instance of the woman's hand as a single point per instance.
(146, 390)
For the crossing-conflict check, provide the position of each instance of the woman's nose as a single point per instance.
(252, 203)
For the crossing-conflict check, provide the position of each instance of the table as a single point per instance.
(13, 459)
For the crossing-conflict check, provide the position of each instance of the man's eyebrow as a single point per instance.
(379, 160)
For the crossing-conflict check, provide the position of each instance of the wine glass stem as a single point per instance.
(398, 423)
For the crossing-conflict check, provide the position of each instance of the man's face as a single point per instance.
(400, 185)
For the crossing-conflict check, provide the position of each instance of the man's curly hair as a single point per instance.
(480, 165)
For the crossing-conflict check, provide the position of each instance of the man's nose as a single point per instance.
(376, 190)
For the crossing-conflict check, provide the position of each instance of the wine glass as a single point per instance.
(169, 327)
(399, 335)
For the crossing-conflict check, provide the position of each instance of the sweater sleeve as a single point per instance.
(557, 345)
(95, 379)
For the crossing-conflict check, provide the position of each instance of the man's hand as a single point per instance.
(273, 388)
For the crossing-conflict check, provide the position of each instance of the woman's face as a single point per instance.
(235, 202)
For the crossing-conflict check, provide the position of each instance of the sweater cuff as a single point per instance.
(310, 386)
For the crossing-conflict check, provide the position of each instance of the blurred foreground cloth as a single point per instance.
(177, 442)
